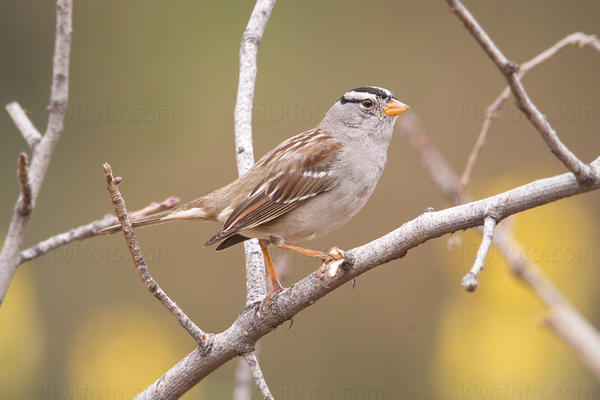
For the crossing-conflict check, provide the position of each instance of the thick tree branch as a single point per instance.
(31, 135)
(140, 264)
(469, 281)
(91, 229)
(248, 328)
(255, 266)
(509, 70)
(563, 318)
(577, 39)
(11, 249)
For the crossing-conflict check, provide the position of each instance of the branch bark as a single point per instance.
(469, 281)
(509, 70)
(258, 376)
(240, 337)
(25, 201)
(11, 249)
(30, 133)
(255, 265)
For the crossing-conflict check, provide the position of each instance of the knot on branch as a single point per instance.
(25, 202)
(510, 67)
(251, 37)
(469, 282)
(57, 106)
(244, 348)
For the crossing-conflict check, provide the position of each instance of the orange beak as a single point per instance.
(394, 107)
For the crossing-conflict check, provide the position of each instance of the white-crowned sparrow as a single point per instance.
(309, 185)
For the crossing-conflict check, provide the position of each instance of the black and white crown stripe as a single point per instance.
(366, 92)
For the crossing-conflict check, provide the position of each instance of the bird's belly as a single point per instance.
(318, 216)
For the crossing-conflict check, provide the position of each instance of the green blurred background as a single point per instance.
(153, 87)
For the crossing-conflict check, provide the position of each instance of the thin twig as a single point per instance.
(91, 229)
(31, 135)
(248, 327)
(563, 318)
(583, 172)
(255, 265)
(259, 378)
(24, 205)
(140, 264)
(15, 236)
(578, 39)
(469, 281)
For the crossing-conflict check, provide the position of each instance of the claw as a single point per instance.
(334, 266)
(335, 253)
(265, 303)
(321, 271)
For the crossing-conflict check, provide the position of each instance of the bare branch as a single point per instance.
(509, 69)
(469, 281)
(31, 135)
(248, 327)
(259, 379)
(24, 204)
(578, 39)
(255, 265)
(564, 319)
(140, 264)
(11, 249)
(91, 229)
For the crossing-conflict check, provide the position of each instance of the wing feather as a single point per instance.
(297, 170)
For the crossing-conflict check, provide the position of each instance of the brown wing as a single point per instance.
(297, 170)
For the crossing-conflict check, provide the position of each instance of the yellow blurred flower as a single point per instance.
(118, 352)
(21, 337)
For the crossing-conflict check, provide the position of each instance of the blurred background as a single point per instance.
(153, 88)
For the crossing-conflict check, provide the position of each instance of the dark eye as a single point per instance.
(367, 103)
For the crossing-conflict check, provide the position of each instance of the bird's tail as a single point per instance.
(199, 210)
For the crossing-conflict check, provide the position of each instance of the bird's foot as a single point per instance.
(332, 264)
(277, 288)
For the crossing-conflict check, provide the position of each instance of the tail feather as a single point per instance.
(194, 210)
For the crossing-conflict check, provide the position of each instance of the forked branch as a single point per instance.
(509, 70)
(575, 39)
